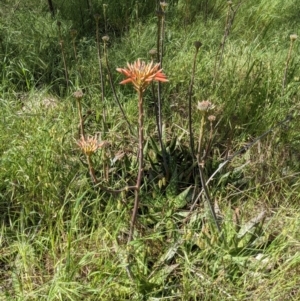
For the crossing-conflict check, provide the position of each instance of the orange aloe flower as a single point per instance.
(141, 74)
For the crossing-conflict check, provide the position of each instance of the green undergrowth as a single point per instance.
(64, 238)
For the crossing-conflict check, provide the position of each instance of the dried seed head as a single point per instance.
(105, 39)
(229, 3)
(197, 44)
(293, 37)
(78, 94)
(163, 5)
(211, 118)
(204, 105)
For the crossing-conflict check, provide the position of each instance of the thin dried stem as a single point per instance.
(190, 94)
(78, 95)
(231, 13)
(160, 44)
(201, 172)
(100, 66)
(81, 121)
(114, 91)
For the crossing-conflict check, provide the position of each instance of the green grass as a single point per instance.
(62, 238)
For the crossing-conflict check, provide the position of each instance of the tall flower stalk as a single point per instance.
(78, 96)
(162, 5)
(105, 40)
(231, 13)
(197, 45)
(160, 52)
(140, 75)
(97, 17)
(203, 107)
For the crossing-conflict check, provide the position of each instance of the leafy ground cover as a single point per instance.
(217, 147)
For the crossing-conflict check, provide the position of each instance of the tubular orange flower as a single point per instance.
(141, 74)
